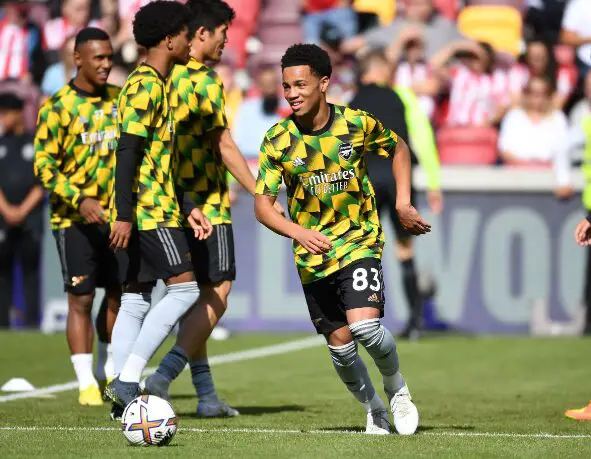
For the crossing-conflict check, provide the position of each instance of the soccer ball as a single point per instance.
(149, 421)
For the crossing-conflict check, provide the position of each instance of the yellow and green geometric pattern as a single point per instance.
(328, 188)
(144, 111)
(75, 144)
(196, 95)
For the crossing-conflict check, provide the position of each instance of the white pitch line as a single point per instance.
(240, 356)
(295, 431)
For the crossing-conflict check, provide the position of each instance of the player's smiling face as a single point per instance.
(94, 60)
(302, 89)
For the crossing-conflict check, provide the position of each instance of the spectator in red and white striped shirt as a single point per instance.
(539, 61)
(75, 16)
(21, 56)
(479, 93)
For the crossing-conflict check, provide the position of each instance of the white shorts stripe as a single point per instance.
(173, 249)
(164, 245)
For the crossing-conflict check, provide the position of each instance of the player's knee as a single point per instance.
(345, 355)
(134, 305)
(80, 303)
(404, 249)
(369, 332)
(185, 294)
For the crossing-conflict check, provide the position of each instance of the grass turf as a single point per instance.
(462, 387)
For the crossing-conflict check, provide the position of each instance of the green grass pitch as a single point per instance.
(478, 397)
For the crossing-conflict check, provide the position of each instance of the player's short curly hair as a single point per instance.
(312, 55)
(158, 20)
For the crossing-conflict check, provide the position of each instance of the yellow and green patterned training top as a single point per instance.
(328, 188)
(144, 111)
(196, 95)
(75, 145)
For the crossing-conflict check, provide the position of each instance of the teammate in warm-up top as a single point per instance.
(148, 210)
(319, 152)
(74, 158)
(206, 151)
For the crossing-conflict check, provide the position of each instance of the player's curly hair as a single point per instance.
(305, 54)
(210, 13)
(158, 20)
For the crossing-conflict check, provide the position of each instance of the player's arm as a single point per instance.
(267, 188)
(422, 138)
(48, 145)
(384, 142)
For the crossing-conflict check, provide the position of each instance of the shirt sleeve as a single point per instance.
(505, 140)
(270, 170)
(378, 139)
(141, 103)
(48, 145)
(573, 20)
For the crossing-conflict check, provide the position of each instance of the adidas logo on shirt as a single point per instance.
(298, 162)
(374, 298)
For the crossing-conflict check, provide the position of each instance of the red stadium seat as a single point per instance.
(448, 8)
(467, 145)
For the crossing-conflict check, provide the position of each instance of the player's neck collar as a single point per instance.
(155, 71)
(323, 129)
(98, 93)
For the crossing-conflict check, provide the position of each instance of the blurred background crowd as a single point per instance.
(505, 83)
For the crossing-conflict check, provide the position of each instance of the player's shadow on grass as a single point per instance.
(257, 410)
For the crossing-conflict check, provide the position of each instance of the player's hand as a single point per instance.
(412, 220)
(120, 235)
(92, 211)
(564, 192)
(313, 241)
(200, 224)
(583, 233)
(279, 208)
(435, 201)
(13, 215)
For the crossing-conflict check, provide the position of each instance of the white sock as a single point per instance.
(83, 367)
(376, 403)
(133, 368)
(104, 363)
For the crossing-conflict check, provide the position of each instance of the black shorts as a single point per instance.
(154, 254)
(87, 262)
(358, 285)
(213, 259)
(385, 192)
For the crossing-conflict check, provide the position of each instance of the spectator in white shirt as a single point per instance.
(576, 32)
(536, 134)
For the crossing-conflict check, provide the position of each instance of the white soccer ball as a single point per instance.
(149, 421)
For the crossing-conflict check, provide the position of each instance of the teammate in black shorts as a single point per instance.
(320, 153)
(74, 158)
(148, 209)
(376, 95)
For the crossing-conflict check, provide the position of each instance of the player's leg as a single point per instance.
(30, 256)
(7, 254)
(105, 320)
(405, 255)
(79, 272)
(166, 256)
(215, 269)
(362, 293)
(330, 320)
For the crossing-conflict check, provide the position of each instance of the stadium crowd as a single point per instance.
(507, 78)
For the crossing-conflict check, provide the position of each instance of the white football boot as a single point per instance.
(404, 411)
(377, 423)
